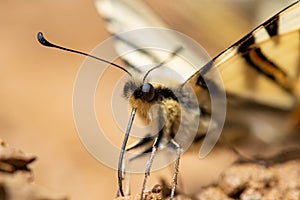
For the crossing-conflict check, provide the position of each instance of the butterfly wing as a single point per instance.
(261, 77)
(128, 16)
(267, 59)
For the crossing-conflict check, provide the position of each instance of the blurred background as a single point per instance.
(37, 82)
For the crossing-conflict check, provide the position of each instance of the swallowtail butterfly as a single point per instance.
(260, 73)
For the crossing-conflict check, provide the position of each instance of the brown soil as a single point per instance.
(245, 181)
(275, 178)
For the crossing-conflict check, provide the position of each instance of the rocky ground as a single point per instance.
(271, 179)
(268, 179)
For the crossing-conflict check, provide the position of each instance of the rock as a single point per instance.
(12, 159)
(16, 178)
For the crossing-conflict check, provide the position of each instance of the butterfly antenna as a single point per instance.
(164, 62)
(46, 43)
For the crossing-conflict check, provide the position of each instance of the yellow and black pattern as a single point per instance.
(266, 59)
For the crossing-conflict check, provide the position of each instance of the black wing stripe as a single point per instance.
(154, 58)
(273, 27)
(256, 58)
(130, 65)
(244, 46)
(140, 49)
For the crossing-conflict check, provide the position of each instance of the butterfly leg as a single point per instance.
(121, 175)
(144, 143)
(127, 176)
(176, 167)
(148, 167)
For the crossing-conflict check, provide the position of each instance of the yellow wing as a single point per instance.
(260, 74)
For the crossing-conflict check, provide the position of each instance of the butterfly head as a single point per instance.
(139, 94)
(145, 92)
(144, 95)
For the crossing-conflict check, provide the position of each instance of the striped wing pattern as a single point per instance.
(267, 59)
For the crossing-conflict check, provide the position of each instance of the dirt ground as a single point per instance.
(275, 178)
(243, 181)
(36, 93)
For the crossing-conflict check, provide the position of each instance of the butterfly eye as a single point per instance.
(148, 91)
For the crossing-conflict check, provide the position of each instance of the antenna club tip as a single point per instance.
(42, 39)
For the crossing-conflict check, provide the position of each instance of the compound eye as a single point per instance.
(148, 91)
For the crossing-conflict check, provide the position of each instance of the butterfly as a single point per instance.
(260, 71)
(251, 87)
